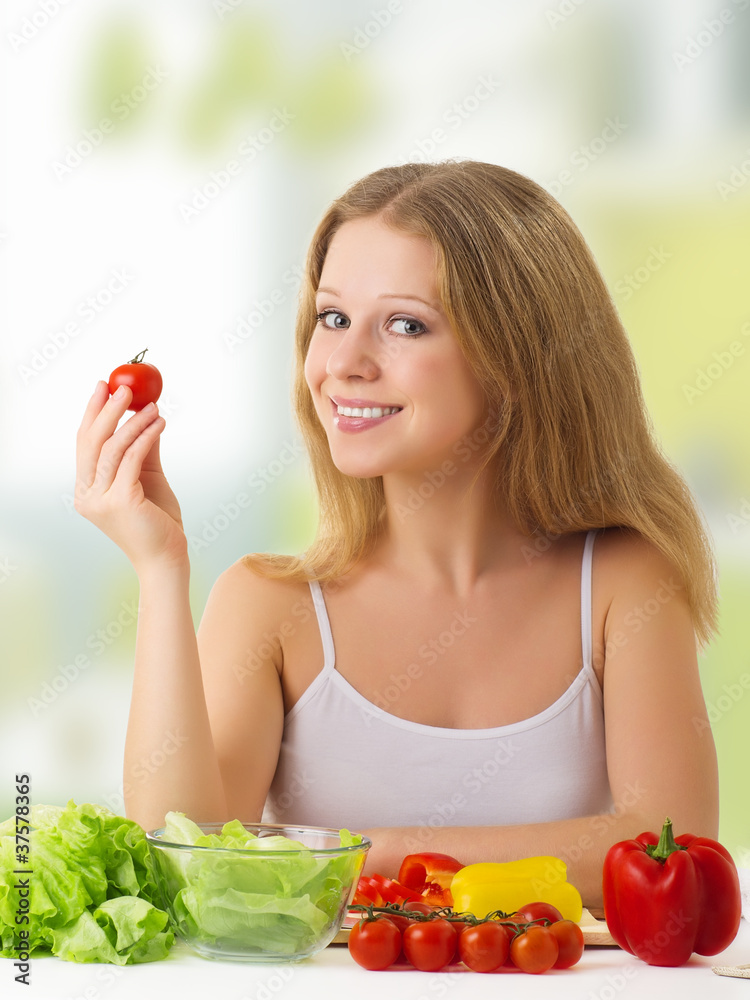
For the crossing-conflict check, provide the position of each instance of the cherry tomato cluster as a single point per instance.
(534, 939)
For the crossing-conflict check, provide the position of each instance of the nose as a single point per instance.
(355, 356)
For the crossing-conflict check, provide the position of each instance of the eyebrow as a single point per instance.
(388, 295)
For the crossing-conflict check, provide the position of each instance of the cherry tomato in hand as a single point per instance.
(534, 950)
(430, 944)
(142, 378)
(535, 911)
(484, 947)
(569, 943)
(375, 944)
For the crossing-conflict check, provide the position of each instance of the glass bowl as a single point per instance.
(265, 904)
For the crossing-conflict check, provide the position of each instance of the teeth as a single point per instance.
(367, 411)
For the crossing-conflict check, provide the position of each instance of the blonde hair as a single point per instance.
(568, 436)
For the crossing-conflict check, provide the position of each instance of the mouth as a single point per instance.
(359, 414)
(365, 409)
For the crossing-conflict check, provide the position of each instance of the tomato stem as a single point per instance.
(138, 359)
(370, 912)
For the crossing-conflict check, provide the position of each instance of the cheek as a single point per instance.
(464, 413)
(453, 390)
(314, 367)
(315, 374)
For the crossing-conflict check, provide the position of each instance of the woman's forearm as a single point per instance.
(581, 843)
(170, 761)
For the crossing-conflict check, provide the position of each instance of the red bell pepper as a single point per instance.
(391, 890)
(367, 894)
(378, 890)
(430, 874)
(667, 897)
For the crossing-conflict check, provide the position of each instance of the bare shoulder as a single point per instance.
(625, 562)
(247, 578)
(640, 603)
(253, 607)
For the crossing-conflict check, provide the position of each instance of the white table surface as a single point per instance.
(602, 974)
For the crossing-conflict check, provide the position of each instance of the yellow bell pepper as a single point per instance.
(510, 885)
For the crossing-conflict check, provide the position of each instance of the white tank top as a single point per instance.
(346, 762)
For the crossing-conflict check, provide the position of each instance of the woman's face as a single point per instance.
(387, 376)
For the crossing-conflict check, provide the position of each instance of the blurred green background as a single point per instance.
(165, 166)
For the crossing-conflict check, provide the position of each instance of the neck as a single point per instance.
(443, 531)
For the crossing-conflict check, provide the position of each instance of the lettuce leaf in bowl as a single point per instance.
(230, 917)
(274, 905)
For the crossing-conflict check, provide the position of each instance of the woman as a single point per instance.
(489, 649)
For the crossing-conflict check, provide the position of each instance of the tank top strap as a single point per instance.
(587, 564)
(329, 653)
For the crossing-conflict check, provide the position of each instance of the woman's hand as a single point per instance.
(120, 485)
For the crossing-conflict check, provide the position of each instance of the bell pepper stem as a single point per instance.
(667, 844)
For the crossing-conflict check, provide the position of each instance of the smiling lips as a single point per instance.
(360, 414)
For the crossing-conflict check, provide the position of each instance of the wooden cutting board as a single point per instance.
(595, 931)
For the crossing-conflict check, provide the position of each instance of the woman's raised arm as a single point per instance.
(170, 762)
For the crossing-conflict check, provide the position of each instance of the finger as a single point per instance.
(97, 401)
(117, 446)
(152, 461)
(107, 412)
(86, 457)
(131, 465)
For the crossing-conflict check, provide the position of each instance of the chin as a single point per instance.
(356, 470)
(357, 463)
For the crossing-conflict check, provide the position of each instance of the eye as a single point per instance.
(409, 327)
(333, 319)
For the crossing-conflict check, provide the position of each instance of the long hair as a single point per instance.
(568, 437)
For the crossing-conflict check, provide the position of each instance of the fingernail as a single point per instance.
(120, 392)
